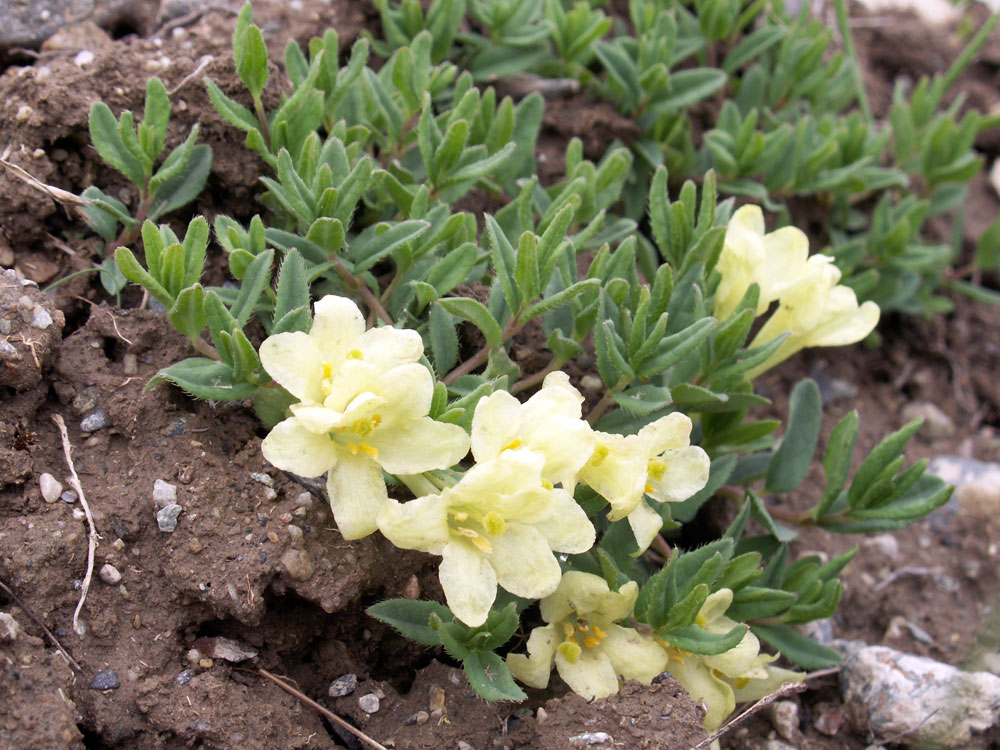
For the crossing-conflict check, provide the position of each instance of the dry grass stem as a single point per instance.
(74, 482)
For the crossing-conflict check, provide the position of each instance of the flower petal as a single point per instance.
(578, 592)
(634, 656)
(617, 472)
(535, 668)
(419, 524)
(667, 433)
(295, 363)
(337, 323)
(523, 562)
(737, 661)
(646, 524)
(617, 605)
(317, 419)
(357, 495)
(567, 529)
(419, 445)
(697, 678)
(389, 347)
(495, 425)
(408, 389)
(291, 447)
(469, 583)
(590, 676)
(687, 473)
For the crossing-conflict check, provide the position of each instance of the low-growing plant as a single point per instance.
(393, 328)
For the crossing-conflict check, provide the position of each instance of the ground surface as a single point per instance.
(255, 558)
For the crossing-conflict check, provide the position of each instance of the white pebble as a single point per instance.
(84, 57)
(24, 113)
(369, 703)
(164, 493)
(110, 575)
(50, 486)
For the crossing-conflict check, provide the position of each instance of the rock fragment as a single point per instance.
(166, 517)
(343, 685)
(50, 486)
(106, 679)
(110, 574)
(96, 420)
(164, 493)
(369, 703)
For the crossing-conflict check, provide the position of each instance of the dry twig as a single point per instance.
(326, 712)
(48, 633)
(74, 482)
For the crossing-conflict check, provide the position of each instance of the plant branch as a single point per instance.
(607, 401)
(532, 380)
(365, 293)
(510, 330)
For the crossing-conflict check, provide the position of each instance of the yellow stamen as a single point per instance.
(547, 484)
(494, 523)
(590, 641)
(648, 489)
(363, 427)
(376, 420)
(601, 452)
(598, 632)
(327, 369)
(568, 629)
(355, 354)
(512, 445)
(368, 450)
(461, 516)
(484, 546)
(352, 448)
(656, 469)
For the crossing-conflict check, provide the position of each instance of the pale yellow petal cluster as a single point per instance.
(363, 408)
(498, 526)
(584, 641)
(658, 461)
(814, 309)
(717, 679)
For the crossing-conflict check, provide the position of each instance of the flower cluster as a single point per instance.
(363, 409)
(813, 307)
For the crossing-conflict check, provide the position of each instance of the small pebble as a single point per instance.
(369, 703)
(299, 564)
(183, 678)
(9, 627)
(305, 500)
(259, 476)
(542, 716)
(4, 326)
(295, 534)
(937, 425)
(272, 537)
(110, 575)
(105, 680)
(130, 364)
(591, 738)
(41, 319)
(84, 57)
(784, 716)
(206, 663)
(164, 493)
(50, 486)
(118, 544)
(343, 685)
(166, 517)
(270, 494)
(24, 113)
(68, 497)
(9, 351)
(86, 400)
(463, 745)
(96, 420)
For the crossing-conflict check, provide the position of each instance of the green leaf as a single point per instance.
(411, 618)
(837, 461)
(796, 647)
(220, 321)
(204, 378)
(476, 313)
(444, 339)
(760, 512)
(551, 302)
(176, 163)
(382, 244)
(883, 454)
(504, 262)
(188, 312)
(172, 269)
(688, 87)
(489, 677)
(186, 186)
(271, 404)
(700, 641)
(155, 117)
(293, 286)
(104, 213)
(792, 460)
(757, 602)
(753, 46)
(252, 64)
(230, 110)
(195, 245)
(134, 272)
(674, 348)
(256, 278)
(105, 136)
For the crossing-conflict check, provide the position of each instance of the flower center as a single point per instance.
(477, 527)
(353, 438)
(601, 452)
(579, 634)
(655, 471)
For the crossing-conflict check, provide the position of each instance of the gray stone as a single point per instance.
(105, 680)
(164, 493)
(40, 318)
(937, 425)
(96, 420)
(8, 627)
(24, 24)
(166, 517)
(590, 738)
(915, 700)
(343, 685)
(299, 564)
(9, 351)
(183, 678)
(369, 703)
(784, 716)
(110, 574)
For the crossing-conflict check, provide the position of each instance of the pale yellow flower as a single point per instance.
(658, 461)
(716, 679)
(590, 651)
(364, 403)
(549, 422)
(498, 525)
(817, 311)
